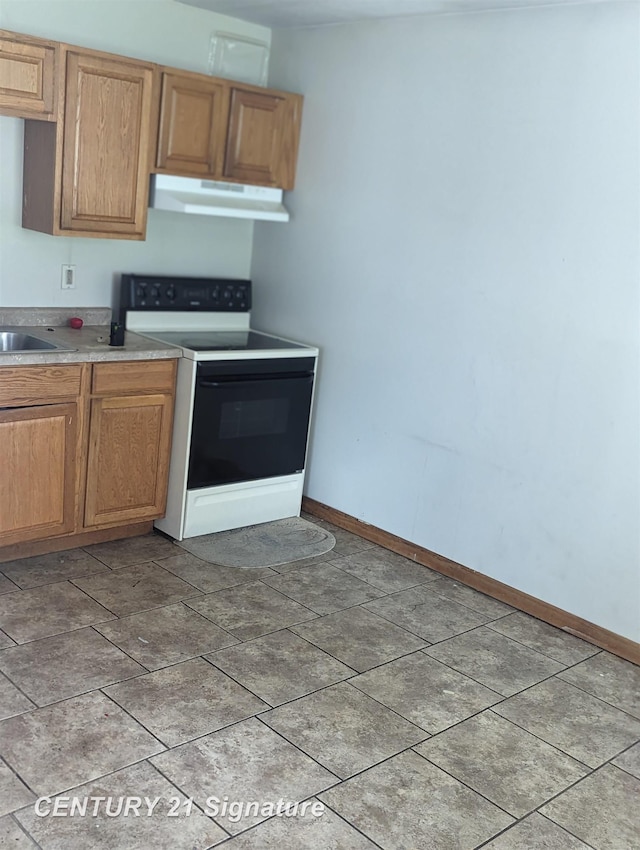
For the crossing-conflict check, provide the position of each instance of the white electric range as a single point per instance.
(243, 404)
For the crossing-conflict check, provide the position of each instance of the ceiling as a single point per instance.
(306, 13)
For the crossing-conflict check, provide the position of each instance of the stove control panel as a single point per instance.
(180, 294)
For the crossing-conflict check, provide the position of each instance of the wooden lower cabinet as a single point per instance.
(38, 461)
(84, 450)
(128, 461)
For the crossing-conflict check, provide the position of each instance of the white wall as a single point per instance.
(155, 30)
(464, 249)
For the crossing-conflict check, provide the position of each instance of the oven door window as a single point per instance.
(249, 427)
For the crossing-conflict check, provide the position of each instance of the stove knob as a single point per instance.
(141, 291)
(155, 292)
(171, 293)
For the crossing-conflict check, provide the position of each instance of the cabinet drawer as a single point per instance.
(134, 377)
(24, 385)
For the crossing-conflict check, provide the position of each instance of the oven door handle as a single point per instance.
(307, 377)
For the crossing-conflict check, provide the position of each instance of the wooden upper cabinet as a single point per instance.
(27, 77)
(105, 168)
(193, 123)
(210, 127)
(262, 140)
(99, 124)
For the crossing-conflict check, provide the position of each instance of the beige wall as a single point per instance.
(464, 249)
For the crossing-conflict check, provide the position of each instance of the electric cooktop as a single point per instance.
(207, 318)
(225, 340)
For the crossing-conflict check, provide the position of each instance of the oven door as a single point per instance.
(250, 420)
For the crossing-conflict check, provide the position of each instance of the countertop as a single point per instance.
(90, 343)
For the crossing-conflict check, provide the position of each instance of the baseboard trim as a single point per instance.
(72, 541)
(617, 644)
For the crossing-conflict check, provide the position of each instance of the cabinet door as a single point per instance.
(105, 173)
(262, 141)
(128, 462)
(193, 120)
(27, 77)
(37, 457)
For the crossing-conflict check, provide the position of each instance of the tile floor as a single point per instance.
(419, 713)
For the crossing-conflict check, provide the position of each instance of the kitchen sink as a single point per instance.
(12, 342)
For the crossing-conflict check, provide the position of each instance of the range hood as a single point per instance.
(213, 197)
